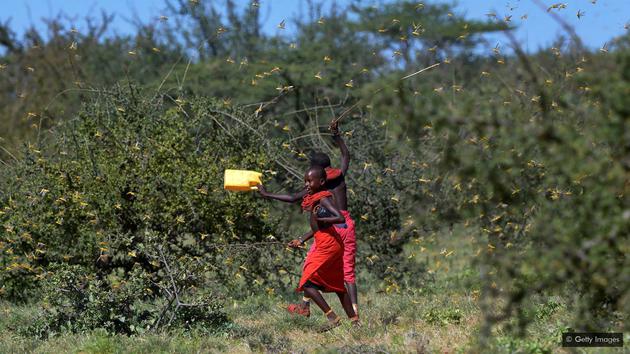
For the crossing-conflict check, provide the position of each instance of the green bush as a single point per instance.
(124, 209)
(442, 316)
(545, 177)
(129, 186)
(77, 301)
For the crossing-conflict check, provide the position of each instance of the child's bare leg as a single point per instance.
(352, 291)
(347, 304)
(319, 300)
(333, 319)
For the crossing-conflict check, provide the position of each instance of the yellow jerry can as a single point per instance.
(241, 180)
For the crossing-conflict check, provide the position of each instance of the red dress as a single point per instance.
(323, 266)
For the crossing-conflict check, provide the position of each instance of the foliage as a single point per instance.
(529, 148)
(73, 300)
(544, 176)
(132, 185)
(442, 316)
(419, 32)
(47, 74)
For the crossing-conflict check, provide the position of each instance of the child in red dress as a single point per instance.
(323, 267)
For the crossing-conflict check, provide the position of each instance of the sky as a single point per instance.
(600, 21)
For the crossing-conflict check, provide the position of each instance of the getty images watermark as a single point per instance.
(592, 339)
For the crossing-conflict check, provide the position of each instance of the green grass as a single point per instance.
(440, 316)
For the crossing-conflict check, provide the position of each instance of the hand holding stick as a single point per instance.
(295, 244)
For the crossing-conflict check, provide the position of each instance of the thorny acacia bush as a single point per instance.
(545, 176)
(128, 187)
(76, 300)
(121, 221)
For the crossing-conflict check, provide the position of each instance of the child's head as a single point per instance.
(314, 179)
(319, 158)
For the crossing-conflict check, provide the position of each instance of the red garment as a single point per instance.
(324, 266)
(332, 173)
(311, 199)
(348, 236)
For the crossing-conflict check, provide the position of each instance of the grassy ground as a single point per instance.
(442, 316)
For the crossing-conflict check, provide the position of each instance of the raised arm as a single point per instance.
(287, 198)
(345, 154)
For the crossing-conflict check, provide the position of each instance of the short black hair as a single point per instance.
(319, 171)
(319, 158)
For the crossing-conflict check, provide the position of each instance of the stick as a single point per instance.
(419, 71)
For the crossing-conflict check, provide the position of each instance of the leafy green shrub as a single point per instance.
(544, 176)
(76, 301)
(130, 186)
(126, 202)
(129, 175)
(547, 309)
(442, 316)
